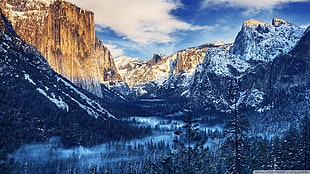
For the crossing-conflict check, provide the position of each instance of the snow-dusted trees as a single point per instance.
(235, 147)
(304, 152)
(236, 141)
(290, 149)
(189, 155)
(259, 154)
(275, 153)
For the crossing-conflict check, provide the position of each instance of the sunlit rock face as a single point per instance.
(65, 35)
(34, 87)
(136, 72)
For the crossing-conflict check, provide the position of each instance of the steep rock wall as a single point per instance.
(65, 35)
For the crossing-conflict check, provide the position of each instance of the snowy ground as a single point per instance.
(44, 154)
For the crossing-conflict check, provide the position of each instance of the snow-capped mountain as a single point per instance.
(39, 94)
(65, 35)
(207, 85)
(264, 85)
(136, 72)
(210, 81)
(126, 66)
(260, 41)
(280, 86)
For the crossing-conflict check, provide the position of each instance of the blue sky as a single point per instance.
(140, 28)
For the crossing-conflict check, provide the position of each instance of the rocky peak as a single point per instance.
(156, 58)
(65, 35)
(22, 5)
(259, 41)
(278, 22)
(253, 23)
(291, 71)
(124, 62)
(218, 43)
(45, 100)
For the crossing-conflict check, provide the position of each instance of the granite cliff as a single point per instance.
(65, 35)
(135, 72)
(44, 103)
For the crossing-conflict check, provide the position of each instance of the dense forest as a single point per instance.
(233, 148)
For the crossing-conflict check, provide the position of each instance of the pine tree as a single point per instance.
(260, 156)
(275, 154)
(305, 138)
(290, 148)
(236, 141)
(305, 143)
(190, 153)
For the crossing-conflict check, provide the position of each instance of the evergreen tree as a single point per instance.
(290, 149)
(260, 156)
(236, 141)
(9, 135)
(275, 154)
(305, 143)
(189, 155)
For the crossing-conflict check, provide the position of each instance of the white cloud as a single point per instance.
(249, 4)
(116, 52)
(143, 21)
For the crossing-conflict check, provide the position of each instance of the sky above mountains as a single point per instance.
(140, 28)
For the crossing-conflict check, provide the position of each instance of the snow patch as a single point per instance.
(95, 107)
(185, 93)
(255, 98)
(139, 90)
(159, 81)
(58, 101)
(90, 111)
(220, 61)
(265, 108)
(27, 77)
(7, 38)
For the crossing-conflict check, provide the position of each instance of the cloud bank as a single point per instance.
(142, 21)
(249, 4)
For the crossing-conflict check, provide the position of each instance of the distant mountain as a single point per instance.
(126, 67)
(260, 41)
(65, 35)
(136, 72)
(271, 83)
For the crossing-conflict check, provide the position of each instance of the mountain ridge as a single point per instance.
(164, 66)
(207, 87)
